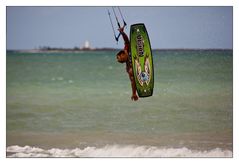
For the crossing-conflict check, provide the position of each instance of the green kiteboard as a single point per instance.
(142, 60)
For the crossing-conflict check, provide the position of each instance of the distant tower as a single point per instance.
(86, 45)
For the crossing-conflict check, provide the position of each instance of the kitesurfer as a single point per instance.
(123, 57)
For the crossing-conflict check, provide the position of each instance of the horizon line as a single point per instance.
(110, 49)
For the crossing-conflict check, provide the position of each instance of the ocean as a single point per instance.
(79, 105)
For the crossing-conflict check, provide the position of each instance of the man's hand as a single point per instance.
(134, 97)
(121, 29)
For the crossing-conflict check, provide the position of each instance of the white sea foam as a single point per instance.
(115, 151)
(70, 81)
(60, 78)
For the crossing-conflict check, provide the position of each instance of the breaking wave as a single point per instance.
(114, 151)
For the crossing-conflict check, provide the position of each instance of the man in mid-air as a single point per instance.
(123, 57)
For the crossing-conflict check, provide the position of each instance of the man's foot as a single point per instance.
(134, 97)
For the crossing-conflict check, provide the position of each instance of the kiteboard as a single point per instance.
(142, 60)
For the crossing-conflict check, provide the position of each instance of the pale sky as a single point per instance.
(168, 27)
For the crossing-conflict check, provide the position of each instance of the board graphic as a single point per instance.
(142, 60)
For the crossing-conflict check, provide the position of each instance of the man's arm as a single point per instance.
(133, 85)
(126, 39)
(124, 35)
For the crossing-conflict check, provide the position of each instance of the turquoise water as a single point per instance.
(89, 93)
